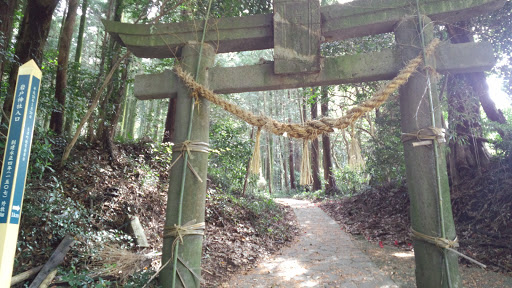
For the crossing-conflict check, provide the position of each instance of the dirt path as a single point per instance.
(323, 256)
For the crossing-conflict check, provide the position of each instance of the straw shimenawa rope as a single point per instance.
(312, 128)
(306, 177)
(439, 242)
(178, 232)
(187, 147)
(190, 228)
(444, 244)
(430, 133)
(255, 166)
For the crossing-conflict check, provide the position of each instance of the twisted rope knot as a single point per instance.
(178, 232)
(189, 228)
(438, 241)
(188, 147)
(425, 136)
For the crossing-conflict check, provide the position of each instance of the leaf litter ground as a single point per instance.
(234, 241)
(236, 236)
(379, 219)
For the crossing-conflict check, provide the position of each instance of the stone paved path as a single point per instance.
(323, 256)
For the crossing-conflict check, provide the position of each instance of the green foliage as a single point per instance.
(260, 210)
(350, 181)
(49, 215)
(162, 154)
(74, 277)
(227, 8)
(497, 29)
(231, 151)
(502, 145)
(47, 102)
(309, 195)
(41, 156)
(81, 83)
(56, 214)
(79, 279)
(140, 279)
(385, 162)
(358, 45)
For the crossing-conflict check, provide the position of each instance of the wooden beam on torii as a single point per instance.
(360, 68)
(295, 31)
(338, 22)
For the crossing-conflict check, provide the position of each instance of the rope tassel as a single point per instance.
(306, 177)
(254, 168)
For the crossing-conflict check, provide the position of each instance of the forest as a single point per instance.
(101, 158)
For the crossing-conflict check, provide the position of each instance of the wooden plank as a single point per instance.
(384, 65)
(25, 275)
(54, 261)
(138, 231)
(164, 40)
(371, 17)
(341, 21)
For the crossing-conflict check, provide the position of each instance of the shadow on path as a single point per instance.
(323, 256)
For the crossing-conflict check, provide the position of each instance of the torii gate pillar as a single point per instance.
(427, 188)
(194, 196)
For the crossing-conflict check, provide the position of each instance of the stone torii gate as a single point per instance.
(295, 31)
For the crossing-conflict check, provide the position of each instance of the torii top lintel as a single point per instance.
(305, 17)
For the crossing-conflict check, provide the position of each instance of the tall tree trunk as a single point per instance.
(247, 170)
(31, 40)
(290, 162)
(117, 92)
(107, 52)
(70, 115)
(119, 96)
(317, 184)
(149, 119)
(7, 8)
(91, 129)
(283, 148)
(290, 150)
(330, 186)
(130, 129)
(81, 30)
(465, 92)
(57, 120)
(269, 147)
(157, 119)
(170, 121)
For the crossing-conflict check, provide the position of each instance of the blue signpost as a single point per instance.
(15, 164)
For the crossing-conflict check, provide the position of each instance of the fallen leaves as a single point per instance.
(481, 207)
